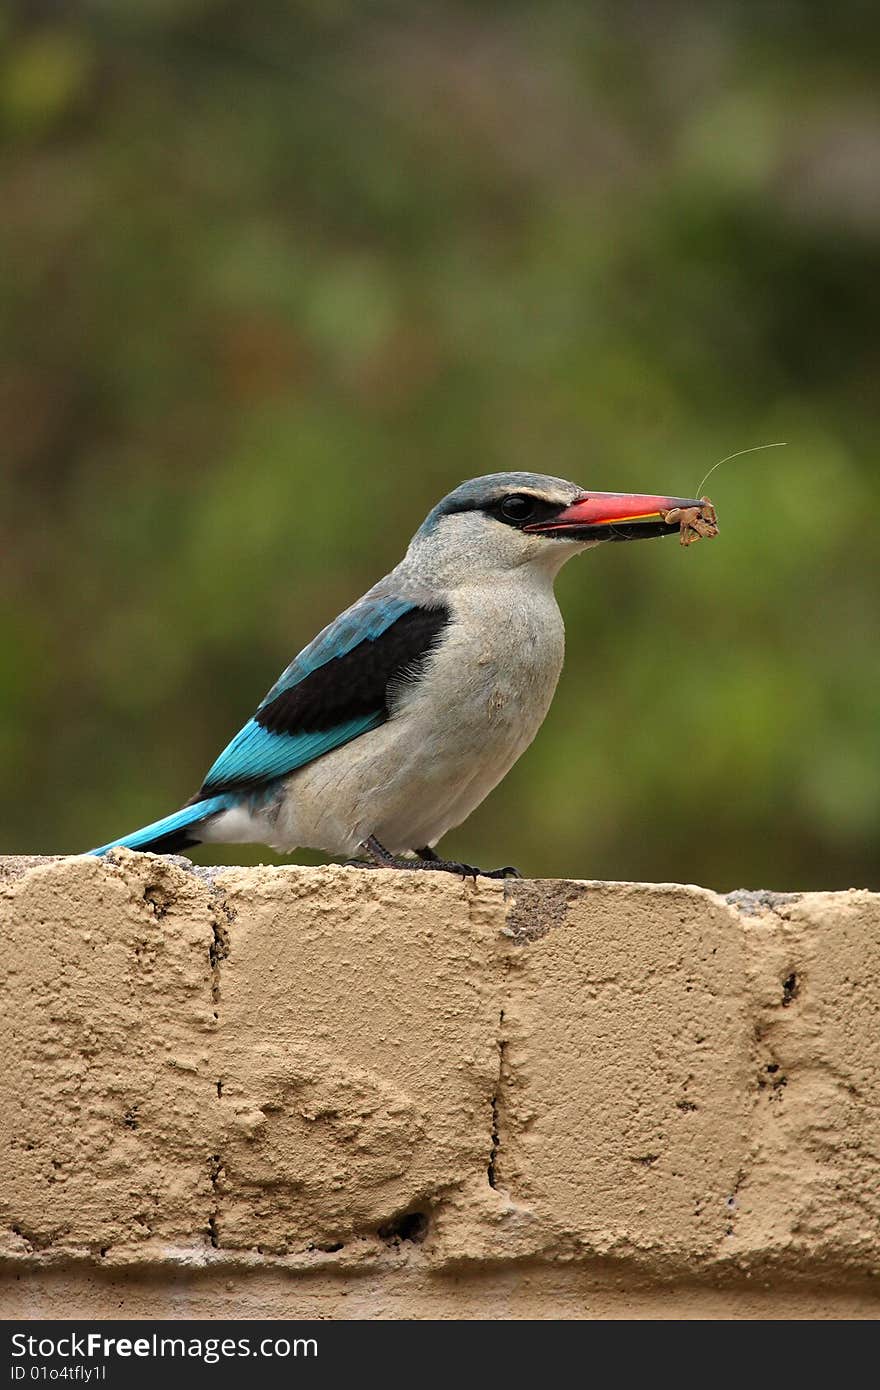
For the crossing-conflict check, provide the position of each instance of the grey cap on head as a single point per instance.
(477, 493)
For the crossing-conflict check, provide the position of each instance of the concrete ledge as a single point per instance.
(340, 1093)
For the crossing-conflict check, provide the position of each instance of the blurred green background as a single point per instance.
(275, 277)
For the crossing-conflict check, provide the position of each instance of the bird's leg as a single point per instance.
(384, 859)
(427, 859)
(428, 853)
(428, 856)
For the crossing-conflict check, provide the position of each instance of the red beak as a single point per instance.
(614, 516)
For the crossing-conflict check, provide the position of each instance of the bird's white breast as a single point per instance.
(453, 734)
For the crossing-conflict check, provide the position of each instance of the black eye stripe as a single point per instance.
(521, 509)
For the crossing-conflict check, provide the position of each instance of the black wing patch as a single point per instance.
(357, 683)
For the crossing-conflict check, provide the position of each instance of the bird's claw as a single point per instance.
(426, 859)
(470, 871)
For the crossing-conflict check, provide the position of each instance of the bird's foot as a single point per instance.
(446, 866)
(427, 859)
(384, 859)
(433, 860)
(452, 866)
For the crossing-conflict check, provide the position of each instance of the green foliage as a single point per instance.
(274, 278)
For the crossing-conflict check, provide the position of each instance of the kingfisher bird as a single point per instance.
(390, 727)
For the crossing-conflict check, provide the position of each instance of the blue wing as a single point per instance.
(331, 693)
(258, 755)
(335, 690)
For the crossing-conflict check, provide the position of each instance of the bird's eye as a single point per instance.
(517, 508)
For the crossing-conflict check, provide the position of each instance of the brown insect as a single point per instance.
(696, 523)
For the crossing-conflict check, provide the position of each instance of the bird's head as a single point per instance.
(506, 520)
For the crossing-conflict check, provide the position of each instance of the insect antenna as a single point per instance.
(753, 450)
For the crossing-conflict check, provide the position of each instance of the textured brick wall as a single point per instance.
(344, 1093)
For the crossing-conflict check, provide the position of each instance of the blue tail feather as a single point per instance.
(174, 832)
